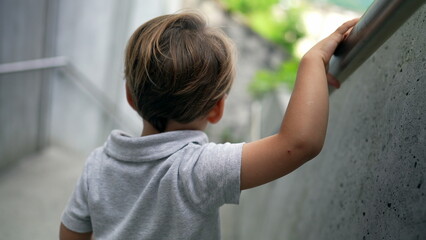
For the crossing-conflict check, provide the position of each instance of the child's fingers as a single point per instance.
(342, 32)
(333, 81)
(346, 26)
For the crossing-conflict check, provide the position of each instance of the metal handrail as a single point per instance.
(31, 65)
(376, 25)
(71, 72)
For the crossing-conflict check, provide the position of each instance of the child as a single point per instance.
(170, 182)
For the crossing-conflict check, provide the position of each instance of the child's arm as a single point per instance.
(66, 234)
(304, 126)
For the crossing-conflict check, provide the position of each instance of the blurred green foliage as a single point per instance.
(283, 30)
(249, 6)
(283, 27)
(266, 81)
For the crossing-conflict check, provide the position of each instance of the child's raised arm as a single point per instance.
(304, 126)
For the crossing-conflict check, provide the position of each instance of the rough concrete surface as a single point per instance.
(369, 180)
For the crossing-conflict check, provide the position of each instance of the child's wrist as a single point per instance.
(313, 57)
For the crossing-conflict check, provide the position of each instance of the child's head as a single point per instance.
(177, 68)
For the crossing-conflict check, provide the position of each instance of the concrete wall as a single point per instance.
(92, 35)
(369, 180)
(43, 107)
(21, 94)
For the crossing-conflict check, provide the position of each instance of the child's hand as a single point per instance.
(326, 47)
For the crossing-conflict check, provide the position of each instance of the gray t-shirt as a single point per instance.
(161, 186)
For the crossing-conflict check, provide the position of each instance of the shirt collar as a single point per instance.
(122, 146)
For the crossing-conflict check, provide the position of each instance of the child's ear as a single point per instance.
(216, 113)
(130, 98)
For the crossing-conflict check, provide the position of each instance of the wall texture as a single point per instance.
(369, 180)
(21, 94)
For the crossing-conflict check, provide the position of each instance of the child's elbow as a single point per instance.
(309, 149)
(315, 149)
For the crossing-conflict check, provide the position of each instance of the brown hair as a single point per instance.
(177, 68)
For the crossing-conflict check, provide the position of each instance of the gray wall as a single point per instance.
(92, 35)
(44, 107)
(369, 180)
(22, 94)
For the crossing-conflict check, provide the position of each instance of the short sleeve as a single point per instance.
(212, 178)
(76, 215)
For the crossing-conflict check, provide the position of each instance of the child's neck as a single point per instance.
(199, 124)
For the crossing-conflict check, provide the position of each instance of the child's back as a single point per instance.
(161, 186)
(170, 183)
